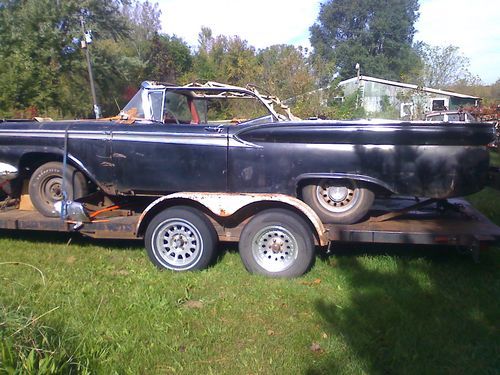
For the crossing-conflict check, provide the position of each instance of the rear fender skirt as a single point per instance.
(226, 204)
(344, 176)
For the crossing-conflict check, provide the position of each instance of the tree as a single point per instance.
(225, 59)
(285, 71)
(42, 66)
(169, 58)
(377, 35)
(143, 19)
(444, 66)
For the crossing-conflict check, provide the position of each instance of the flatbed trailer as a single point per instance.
(402, 221)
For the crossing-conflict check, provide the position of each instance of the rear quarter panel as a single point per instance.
(407, 159)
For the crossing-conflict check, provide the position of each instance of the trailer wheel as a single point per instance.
(338, 201)
(277, 243)
(45, 186)
(181, 239)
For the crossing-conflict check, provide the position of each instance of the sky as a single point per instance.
(474, 26)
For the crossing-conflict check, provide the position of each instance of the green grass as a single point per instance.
(495, 158)
(488, 199)
(100, 307)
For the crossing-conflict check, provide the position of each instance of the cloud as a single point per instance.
(261, 22)
(474, 27)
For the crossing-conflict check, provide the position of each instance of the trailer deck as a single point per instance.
(122, 227)
(459, 225)
(391, 221)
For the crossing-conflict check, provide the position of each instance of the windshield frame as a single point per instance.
(140, 107)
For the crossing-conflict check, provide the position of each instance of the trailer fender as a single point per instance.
(226, 204)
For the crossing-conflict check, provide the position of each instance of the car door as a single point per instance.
(89, 145)
(159, 158)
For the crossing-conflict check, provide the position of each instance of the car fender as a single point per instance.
(56, 154)
(349, 176)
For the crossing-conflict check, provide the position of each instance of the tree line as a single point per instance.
(43, 70)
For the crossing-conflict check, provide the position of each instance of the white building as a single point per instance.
(409, 101)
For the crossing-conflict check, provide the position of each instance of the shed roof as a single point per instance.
(408, 86)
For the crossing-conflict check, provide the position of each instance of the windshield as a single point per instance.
(146, 104)
(203, 104)
(134, 107)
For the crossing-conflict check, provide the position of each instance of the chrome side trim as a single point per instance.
(146, 137)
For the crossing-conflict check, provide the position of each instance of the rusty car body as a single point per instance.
(212, 137)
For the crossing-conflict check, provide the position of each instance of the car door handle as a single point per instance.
(214, 129)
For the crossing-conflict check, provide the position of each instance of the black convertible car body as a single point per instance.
(218, 138)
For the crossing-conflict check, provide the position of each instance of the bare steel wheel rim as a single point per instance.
(51, 189)
(274, 248)
(178, 244)
(337, 197)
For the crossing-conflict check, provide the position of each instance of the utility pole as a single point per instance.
(358, 68)
(87, 39)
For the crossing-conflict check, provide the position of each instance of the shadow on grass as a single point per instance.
(62, 238)
(419, 314)
(409, 251)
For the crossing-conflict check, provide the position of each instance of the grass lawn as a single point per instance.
(100, 307)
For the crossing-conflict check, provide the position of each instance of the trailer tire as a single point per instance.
(338, 201)
(277, 243)
(45, 186)
(181, 239)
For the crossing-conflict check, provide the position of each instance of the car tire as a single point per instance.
(45, 186)
(277, 243)
(181, 239)
(338, 201)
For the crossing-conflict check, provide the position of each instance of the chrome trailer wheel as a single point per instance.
(277, 243)
(181, 239)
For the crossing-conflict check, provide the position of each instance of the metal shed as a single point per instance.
(402, 100)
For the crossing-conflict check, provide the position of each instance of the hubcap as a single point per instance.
(274, 248)
(52, 189)
(336, 196)
(178, 243)
(337, 193)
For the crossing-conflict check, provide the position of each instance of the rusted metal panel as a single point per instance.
(30, 220)
(227, 204)
(461, 227)
(119, 227)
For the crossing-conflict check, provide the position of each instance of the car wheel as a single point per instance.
(181, 239)
(277, 243)
(45, 186)
(338, 201)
